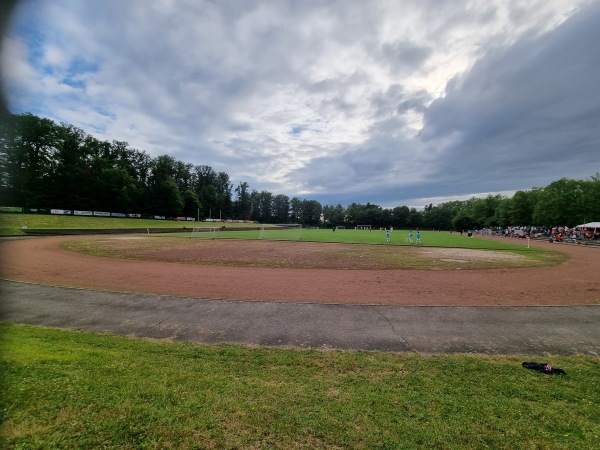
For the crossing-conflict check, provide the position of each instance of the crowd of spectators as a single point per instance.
(553, 233)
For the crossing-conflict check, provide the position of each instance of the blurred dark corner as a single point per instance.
(6, 9)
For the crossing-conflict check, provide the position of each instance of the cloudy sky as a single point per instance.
(400, 102)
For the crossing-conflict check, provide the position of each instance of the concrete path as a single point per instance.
(492, 330)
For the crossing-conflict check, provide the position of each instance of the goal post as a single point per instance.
(281, 232)
(205, 233)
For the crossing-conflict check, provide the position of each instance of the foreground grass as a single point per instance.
(65, 389)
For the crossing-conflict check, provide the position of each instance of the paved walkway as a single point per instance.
(492, 330)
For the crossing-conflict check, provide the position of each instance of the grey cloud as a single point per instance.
(417, 102)
(526, 114)
(397, 100)
(202, 73)
(405, 56)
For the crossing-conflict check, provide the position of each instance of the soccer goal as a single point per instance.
(205, 233)
(281, 232)
(340, 227)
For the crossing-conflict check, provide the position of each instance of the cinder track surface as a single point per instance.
(379, 320)
(574, 282)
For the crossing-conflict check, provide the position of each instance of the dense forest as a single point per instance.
(47, 165)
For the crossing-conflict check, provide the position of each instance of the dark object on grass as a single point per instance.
(544, 368)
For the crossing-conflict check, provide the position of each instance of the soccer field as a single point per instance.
(397, 237)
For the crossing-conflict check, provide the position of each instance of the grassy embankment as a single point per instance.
(11, 224)
(66, 389)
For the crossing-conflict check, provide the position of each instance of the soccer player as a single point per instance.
(387, 236)
(410, 236)
(418, 237)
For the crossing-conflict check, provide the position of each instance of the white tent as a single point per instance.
(590, 225)
(591, 229)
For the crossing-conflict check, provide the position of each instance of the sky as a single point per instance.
(400, 102)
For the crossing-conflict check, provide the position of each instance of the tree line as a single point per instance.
(49, 165)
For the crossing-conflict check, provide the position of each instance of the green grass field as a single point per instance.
(66, 389)
(387, 258)
(11, 225)
(398, 237)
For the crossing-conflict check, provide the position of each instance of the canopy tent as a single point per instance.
(590, 225)
(590, 229)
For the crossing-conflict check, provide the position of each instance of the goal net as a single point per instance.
(281, 232)
(205, 233)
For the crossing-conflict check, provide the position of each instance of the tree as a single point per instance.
(224, 187)
(28, 148)
(462, 221)
(191, 204)
(400, 216)
(437, 217)
(311, 213)
(266, 206)
(281, 208)
(501, 217)
(415, 219)
(483, 210)
(115, 191)
(243, 206)
(209, 202)
(262, 206)
(71, 188)
(591, 199)
(295, 210)
(334, 215)
(205, 184)
(45, 165)
(369, 214)
(520, 210)
(560, 203)
(166, 198)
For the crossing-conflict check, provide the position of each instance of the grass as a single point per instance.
(398, 237)
(254, 253)
(11, 224)
(375, 253)
(68, 389)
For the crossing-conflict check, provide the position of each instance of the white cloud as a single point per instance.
(15, 69)
(362, 101)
